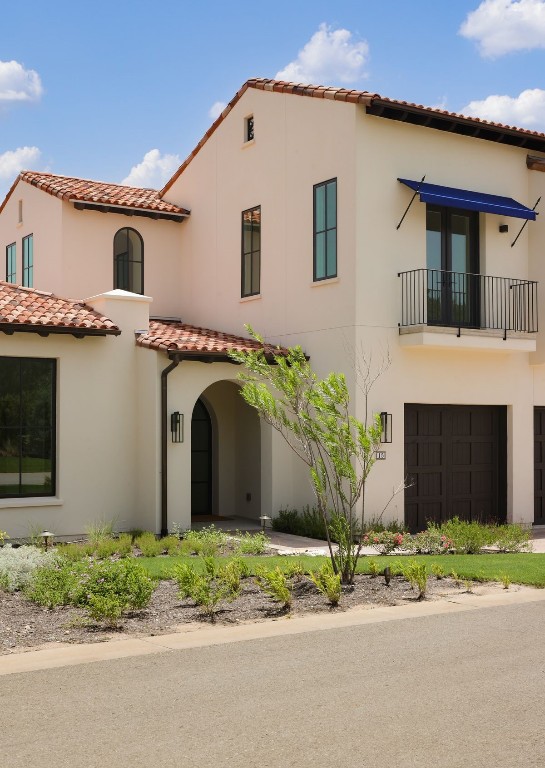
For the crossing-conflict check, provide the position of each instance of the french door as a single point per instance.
(452, 261)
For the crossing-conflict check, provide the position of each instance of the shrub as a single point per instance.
(210, 588)
(505, 580)
(373, 568)
(275, 583)
(294, 569)
(429, 542)
(328, 583)
(242, 566)
(308, 523)
(3, 537)
(108, 589)
(171, 544)
(184, 576)
(74, 552)
(17, 565)
(148, 544)
(416, 575)
(207, 542)
(54, 585)
(105, 548)
(467, 537)
(438, 571)
(251, 543)
(124, 544)
(375, 524)
(386, 542)
(513, 537)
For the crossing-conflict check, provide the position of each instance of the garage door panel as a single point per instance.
(461, 453)
(460, 470)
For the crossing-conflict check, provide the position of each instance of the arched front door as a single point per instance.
(201, 460)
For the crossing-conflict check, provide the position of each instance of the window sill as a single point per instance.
(248, 144)
(244, 299)
(327, 281)
(31, 501)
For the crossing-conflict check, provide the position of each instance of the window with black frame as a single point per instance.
(251, 252)
(129, 260)
(325, 230)
(11, 263)
(28, 261)
(27, 426)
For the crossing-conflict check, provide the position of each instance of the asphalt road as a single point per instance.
(464, 689)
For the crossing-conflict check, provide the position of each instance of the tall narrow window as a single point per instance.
(11, 263)
(129, 260)
(28, 261)
(27, 426)
(251, 251)
(325, 230)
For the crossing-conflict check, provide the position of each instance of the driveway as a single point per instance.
(461, 689)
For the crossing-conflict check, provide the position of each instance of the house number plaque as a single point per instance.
(380, 455)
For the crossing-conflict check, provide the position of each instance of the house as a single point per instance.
(379, 235)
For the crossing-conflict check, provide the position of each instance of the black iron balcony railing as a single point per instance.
(463, 300)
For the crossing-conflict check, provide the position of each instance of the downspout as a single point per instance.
(164, 446)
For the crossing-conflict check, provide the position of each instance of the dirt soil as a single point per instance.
(25, 625)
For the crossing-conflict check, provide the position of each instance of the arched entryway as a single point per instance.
(225, 455)
(201, 461)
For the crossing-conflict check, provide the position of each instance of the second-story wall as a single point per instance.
(299, 142)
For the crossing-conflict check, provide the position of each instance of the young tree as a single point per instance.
(313, 416)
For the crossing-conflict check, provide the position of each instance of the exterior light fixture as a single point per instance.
(386, 424)
(177, 427)
(46, 536)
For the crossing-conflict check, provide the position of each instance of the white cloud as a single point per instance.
(330, 57)
(18, 83)
(216, 109)
(154, 170)
(504, 26)
(527, 110)
(13, 161)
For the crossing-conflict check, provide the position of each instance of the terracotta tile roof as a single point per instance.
(175, 336)
(24, 309)
(97, 193)
(366, 98)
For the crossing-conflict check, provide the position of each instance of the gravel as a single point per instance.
(25, 625)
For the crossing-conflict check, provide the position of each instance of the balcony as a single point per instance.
(459, 309)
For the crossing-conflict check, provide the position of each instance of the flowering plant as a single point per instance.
(429, 542)
(386, 542)
(3, 537)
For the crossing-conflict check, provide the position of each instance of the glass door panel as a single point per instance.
(434, 264)
(452, 261)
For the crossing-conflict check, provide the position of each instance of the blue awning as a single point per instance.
(472, 201)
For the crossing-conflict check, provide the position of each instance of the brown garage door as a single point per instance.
(539, 466)
(455, 460)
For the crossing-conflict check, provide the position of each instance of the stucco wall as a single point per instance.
(42, 217)
(97, 416)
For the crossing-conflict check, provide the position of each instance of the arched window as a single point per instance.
(129, 260)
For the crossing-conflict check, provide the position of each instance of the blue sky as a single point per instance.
(123, 90)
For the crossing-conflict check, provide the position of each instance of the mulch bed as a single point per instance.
(24, 625)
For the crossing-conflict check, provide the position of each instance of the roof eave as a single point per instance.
(46, 330)
(128, 210)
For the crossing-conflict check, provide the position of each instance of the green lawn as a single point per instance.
(521, 568)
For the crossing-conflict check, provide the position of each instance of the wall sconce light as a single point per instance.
(177, 427)
(386, 424)
(504, 228)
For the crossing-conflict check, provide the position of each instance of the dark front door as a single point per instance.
(455, 462)
(201, 460)
(452, 260)
(539, 466)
